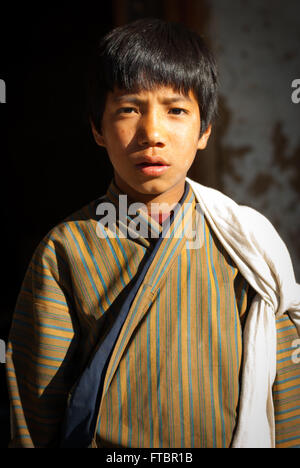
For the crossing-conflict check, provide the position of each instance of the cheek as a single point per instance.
(124, 136)
(117, 140)
(121, 133)
(187, 148)
(187, 135)
(187, 163)
(186, 151)
(114, 129)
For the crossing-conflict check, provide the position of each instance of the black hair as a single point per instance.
(150, 52)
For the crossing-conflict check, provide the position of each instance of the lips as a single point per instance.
(144, 164)
(152, 166)
(151, 161)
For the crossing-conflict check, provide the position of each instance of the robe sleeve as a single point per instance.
(286, 388)
(41, 345)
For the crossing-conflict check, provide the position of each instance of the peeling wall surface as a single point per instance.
(258, 48)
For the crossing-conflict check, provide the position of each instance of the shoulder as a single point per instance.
(254, 244)
(71, 231)
(243, 223)
(223, 206)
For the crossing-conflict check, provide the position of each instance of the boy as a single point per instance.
(127, 333)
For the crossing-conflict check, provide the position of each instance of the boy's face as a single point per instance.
(151, 138)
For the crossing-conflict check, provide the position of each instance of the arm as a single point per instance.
(286, 388)
(41, 346)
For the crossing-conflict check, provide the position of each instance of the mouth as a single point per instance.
(152, 168)
(152, 165)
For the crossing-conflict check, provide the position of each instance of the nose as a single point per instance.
(151, 131)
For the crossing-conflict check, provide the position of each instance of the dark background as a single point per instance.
(50, 164)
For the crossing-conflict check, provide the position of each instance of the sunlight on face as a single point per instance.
(151, 138)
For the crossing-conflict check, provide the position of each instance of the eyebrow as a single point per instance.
(136, 100)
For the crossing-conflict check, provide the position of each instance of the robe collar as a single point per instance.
(134, 221)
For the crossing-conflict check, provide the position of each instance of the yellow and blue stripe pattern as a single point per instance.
(173, 377)
(173, 380)
(286, 391)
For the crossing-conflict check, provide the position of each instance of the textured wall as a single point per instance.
(258, 141)
(254, 151)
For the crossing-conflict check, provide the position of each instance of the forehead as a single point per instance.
(163, 94)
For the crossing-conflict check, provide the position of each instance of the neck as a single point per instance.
(156, 204)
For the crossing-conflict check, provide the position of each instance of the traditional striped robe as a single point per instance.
(172, 376)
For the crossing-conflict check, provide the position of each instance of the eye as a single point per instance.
(177, 111)
(126, 110)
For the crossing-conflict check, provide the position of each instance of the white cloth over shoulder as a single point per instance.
(263, 259)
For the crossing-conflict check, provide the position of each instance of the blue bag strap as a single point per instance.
(80, 419)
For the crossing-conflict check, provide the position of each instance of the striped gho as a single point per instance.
(172, 378)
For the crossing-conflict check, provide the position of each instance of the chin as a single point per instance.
(152, 187)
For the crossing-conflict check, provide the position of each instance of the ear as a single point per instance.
(99, 139)
(204, 138)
